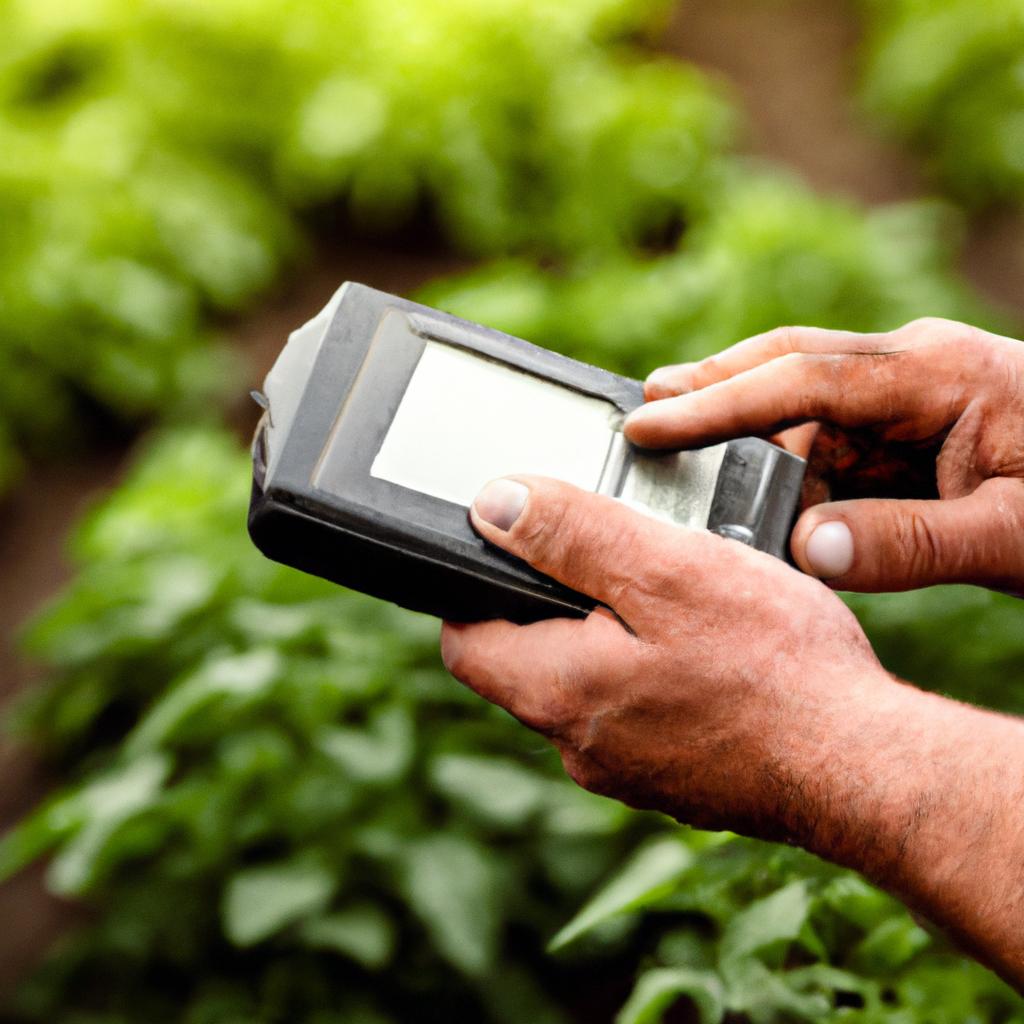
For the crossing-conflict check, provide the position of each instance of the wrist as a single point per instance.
(874, 788)
(922, 795)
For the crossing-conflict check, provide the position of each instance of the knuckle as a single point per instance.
(707, 371)
(652, 564)
(783, 338)
(468, 665)
(1006, 495)
(931, 325)
(797, 359)
(631, 569)
(919, 543)
(549, 712)
(937, 330)
(576, 768)
(659, 579)
(988, 365)
(811, 370)
(544, 528)
(558, 704)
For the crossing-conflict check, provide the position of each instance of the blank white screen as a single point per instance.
(465, 420)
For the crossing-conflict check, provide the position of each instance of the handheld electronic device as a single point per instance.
(383, 418)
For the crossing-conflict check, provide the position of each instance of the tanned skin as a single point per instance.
(731, 691)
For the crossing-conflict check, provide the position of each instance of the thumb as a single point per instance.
(888, 544)
(592, 543)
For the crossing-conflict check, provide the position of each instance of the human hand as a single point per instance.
(724, 688)
(933, 410)
(718, 684)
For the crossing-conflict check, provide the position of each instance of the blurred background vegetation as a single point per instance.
(256, 797)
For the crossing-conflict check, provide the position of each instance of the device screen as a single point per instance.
(465, 419)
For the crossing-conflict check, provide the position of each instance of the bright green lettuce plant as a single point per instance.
(159, 165)
(280, 805)
(948, 77)
(772, 252)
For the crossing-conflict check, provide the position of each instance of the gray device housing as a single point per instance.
(329, 402)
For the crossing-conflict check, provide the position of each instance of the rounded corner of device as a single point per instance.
(256, 516)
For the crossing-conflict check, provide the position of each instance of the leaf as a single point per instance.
(363, 932)
(890, 945)
(832, 980)
(812, 942)
(651, 874)
(258, 902)
(779, 917)
(451, 885)
(658, 989)
(762, 994)
(572, 811)
(237, 675)
(103, 807)
(494, 790)
(35, 835)
(379, 754)
(262, 622)
(857, 901)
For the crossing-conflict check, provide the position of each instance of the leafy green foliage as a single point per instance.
(278, 803)
(284, 799)
(317, 805)
(282, 794)
(653, 871)
(771, 253)
(320, 807)
(947, 76)
(662, 987)
(261, 901)
(154, 158)
(771, 934)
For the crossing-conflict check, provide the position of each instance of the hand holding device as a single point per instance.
(721, 686)
(934, 410)
(708, 685)
(383, 418)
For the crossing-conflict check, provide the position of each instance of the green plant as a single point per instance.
(157, 162)
(771, 934)
(281, 806)
(772, 252)
(948, 76)
(278, 805)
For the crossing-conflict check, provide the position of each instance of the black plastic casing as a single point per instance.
(320, 510)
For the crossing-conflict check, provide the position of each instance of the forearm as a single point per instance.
(925, 796)
(744, 695)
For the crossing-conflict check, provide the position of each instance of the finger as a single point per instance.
(667, 381)
(589, 542)
(847, 390)
(886, 544)
(798, 440)
(534, 671)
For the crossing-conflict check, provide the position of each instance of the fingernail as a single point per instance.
(641, 414)
(500, 502)
(660, 378)
(665, 380)
(829, 550)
